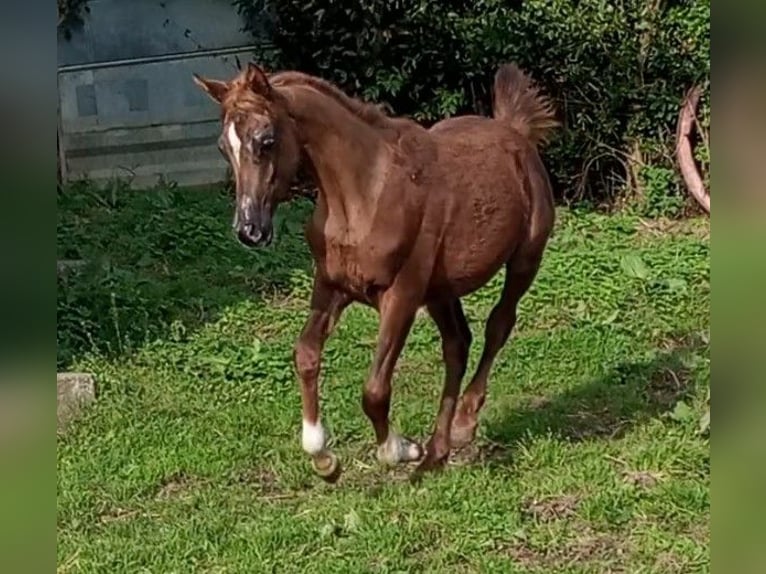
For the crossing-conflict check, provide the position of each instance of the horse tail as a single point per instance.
(519, 103)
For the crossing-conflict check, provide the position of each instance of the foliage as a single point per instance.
(70, 14)
(618, 71)
(661, 195)
(190, 460)
(147, 271)
(704, 422)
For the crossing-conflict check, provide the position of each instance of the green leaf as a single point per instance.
(611, 318)
(705, 422)
(682, 412)
(328, 530)
(351, 521)
(634, 267)
(676, 285)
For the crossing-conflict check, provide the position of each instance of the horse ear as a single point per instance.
(213, 88)
(256, 79)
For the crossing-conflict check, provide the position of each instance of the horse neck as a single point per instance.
(343, 149)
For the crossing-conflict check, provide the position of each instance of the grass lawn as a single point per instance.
(589, 457)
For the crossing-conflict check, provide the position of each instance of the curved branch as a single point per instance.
(684, 154)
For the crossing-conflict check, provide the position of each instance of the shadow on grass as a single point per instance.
(605, 408)
(161, 260)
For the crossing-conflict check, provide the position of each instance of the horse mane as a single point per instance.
(370, 113)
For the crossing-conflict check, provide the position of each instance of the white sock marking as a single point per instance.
(313, 437)
(397, 449)
(234, 141)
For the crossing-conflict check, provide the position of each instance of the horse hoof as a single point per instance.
(431, 464)
(399, 449)
(327, 466)
(462, 436)
(411, 450)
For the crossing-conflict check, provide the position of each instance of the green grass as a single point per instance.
(589, 457)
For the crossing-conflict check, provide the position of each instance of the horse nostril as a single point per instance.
(249, 235)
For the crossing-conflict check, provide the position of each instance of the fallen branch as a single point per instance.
(684, 153)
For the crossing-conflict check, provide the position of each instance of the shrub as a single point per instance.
(618, 71)
(660, 195)
(70, 14)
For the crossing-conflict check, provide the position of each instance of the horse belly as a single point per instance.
(475, 248)
(463, 275)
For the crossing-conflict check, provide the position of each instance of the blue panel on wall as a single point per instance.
(137, 93)
(86, 100)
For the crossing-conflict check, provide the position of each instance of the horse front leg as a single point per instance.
(396, 317)
(327, 305)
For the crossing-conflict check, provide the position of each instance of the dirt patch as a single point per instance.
(373, 480)
(594, 546)
(699, 531)
(538, 402)
(642, 478)
(639, 478)
(74, 392)
(175, 486)
(264, 479)
(655, 228)
(267, 485)
(552, 508)
(686, 342)
(593, 422)
(480, 453)
(585, 547)
(117, 514)
(670, 563)
(667, 386)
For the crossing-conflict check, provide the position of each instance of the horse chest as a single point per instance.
(360, 269)
(356, 268)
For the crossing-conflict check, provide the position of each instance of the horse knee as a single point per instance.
(306, 357)
(376, 399)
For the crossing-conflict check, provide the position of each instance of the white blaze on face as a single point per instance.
(234, 142)
(245, 204)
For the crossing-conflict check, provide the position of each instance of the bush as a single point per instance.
(661, 196)
(618, 71)
(70, 14)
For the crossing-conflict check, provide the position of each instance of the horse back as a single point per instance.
(495, 199)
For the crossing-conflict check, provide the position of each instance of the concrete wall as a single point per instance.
(127, 104)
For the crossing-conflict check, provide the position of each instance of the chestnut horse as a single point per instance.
(406, 217)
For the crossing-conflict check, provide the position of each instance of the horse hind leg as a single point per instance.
(520, 272)
(456, 343)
